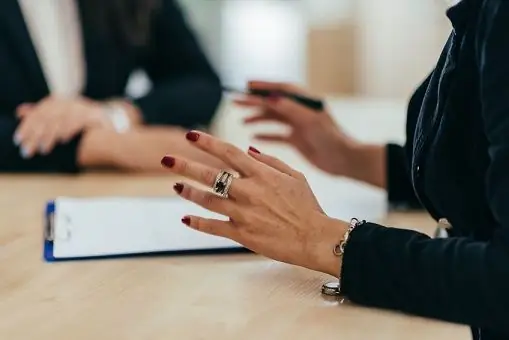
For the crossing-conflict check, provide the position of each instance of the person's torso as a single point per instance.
(448, 145)
(27, 75)
(446, 139)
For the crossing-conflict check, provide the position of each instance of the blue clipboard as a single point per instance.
(48, 247)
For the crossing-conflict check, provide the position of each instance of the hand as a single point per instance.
(315, 134)
(56, 120)
(271, 208)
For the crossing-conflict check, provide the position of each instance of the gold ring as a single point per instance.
(223, 183)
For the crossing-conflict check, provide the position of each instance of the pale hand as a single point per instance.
(56, 120)
(314, 134)
(271, 208)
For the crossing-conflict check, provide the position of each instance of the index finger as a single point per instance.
(228, 153)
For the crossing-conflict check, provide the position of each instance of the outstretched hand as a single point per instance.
(271, 208)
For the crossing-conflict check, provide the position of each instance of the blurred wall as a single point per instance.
(337, 47)
(399, 44)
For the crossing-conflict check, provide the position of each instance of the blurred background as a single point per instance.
(368, 48)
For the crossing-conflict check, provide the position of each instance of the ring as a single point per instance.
(223, 183)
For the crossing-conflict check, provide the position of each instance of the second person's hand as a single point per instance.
(315, 134)
(55, 120)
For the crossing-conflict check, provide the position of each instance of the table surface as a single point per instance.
(193, 297)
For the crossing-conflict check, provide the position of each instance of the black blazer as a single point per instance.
(186, 90)
(456, 164)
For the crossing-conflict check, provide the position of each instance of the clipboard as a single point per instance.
(118, 227)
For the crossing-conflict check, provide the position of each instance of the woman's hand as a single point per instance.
(313, 133)
(316, 135)
(56, 120)
(271, 207)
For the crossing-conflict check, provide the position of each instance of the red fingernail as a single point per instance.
(168, 161)
(273, 97)
(178, 187)
(192, 136)
(253, 149)
(186, 220)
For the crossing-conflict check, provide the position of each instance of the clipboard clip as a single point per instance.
(49, 229)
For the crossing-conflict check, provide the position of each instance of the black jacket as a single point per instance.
(186, 91)
(456, 164)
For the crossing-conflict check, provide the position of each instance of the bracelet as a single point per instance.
(334, 288)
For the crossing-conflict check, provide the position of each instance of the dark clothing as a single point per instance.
(457, 166)
(186, 90)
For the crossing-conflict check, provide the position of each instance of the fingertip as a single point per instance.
(253, 150)
(178, 188)
(193, 136)
(186, 220)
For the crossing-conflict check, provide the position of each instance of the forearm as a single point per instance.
(456, 280)
(138, 150)
(367, 163)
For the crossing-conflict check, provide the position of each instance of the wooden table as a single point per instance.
(201, 297)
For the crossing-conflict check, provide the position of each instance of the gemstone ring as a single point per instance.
(223, 183)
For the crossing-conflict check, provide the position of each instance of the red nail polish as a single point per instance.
(178, 187)
(186, 220)
(192, 136)
(253, 149)
(168, 161)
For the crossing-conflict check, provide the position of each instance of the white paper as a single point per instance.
(87, 227)
(119, 225)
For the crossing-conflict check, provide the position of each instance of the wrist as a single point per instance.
(132, 112)
(367, 163)
(92, 152)
(330, 232)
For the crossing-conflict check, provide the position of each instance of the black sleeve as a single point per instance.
(400, 191)
(457, 279)
(186, 90)
(61, 159)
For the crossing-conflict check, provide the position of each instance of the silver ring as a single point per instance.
(223, 183)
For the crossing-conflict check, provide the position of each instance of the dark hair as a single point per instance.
(125, 21)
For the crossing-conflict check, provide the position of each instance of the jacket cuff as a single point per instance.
(400, 190)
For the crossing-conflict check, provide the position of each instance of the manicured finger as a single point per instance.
(212, 226)
(228, 153)
(249, 101)
(195, 171)
(274, 163)
(49, 138)
(30, 144)
(207, 200)
(264, 118)
(23, 109)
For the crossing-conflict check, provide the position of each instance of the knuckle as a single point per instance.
(231, 152)
(209, 177)
(209, 200)
(181, 166)
(299, 175)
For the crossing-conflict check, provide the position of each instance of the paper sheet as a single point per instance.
(87, 227)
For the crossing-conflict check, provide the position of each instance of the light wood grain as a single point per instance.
(193, 297)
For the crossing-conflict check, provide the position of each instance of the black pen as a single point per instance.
(311, 103)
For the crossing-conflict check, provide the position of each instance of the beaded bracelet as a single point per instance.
(334, 288)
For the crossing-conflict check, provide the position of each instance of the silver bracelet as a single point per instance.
(333, 288)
